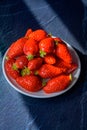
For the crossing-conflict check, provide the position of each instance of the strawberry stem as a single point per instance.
(14, 67)
(70, 77)
(56, 42)
(36, 72)
(30, 57)
(44, 82)
(50, 34)
(42, 53)
(25, 71)
(7, 58)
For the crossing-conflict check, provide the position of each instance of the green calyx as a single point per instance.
(14, 67)
(56, 42)
(30, 57)
(25, 71)
(70, 76)
(50, 34)
(36, 72)
(7, 58)
(42, 53)
(44, 82)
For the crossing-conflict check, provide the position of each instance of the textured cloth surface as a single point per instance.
(66, 19)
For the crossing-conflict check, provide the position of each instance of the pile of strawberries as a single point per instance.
(39, 61)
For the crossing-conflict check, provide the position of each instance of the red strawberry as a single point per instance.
(50, 59)
(58, 83)
(31, 83)
(31, 48)
(28, 33)
(38, 35)
(20, 62)
(9, 69)
(63, 52)
(16, 49)
(35, 63)
(46, 46)
(69, 67)
(49, 71)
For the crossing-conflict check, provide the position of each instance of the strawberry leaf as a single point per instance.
(30, 57)
(50, 34)
(42, 53)
(7, 58)
(70, 77)
(36, 72)
(14, 67)
(44, 82)
(25, 71)
(56, 42)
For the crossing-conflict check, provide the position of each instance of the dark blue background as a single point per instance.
(66, 19)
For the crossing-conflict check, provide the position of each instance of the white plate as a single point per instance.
(41, 93)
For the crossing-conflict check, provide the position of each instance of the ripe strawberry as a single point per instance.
(58, 83)
(46, 46)
(50, 59)
(9, 69)
(38, 35)
(35, 63)
(70, 67)
(31, 48)
(16, 48)
(49, 71)
(63, 52)
(28, 33)
(31, 83)
(20, 62)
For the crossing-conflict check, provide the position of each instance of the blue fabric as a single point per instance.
(66, 19)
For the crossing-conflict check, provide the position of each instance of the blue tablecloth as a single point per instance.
(66, 19)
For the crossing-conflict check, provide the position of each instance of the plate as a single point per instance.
(41, 93)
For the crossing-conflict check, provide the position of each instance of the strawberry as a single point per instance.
(63, 52)
(46, 46)
(31, 83)
(16, 48)
(49, 71)
(38, 35)
(20, 62)
(31, 48)
(50, 59)
(35, 63)
(28, 33)
(58, 83)
(70, 67)
(9, 69)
